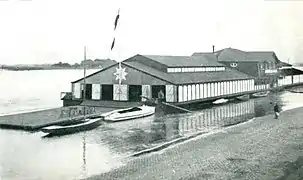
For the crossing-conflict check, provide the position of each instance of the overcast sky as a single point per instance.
(48, 31)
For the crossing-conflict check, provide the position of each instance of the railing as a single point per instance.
(78, 111)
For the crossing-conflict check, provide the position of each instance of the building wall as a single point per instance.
(287, 80)
(120, 93)
(250, 68)
(255, 69)
(133, 77)
(213, 89)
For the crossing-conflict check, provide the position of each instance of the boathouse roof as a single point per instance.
(231, 54)
(186, 61)
(157, 69)
(190, 77)
(284, 64)
(291, 71)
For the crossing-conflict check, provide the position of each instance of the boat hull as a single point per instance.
(243, 97)
(62, 130)
(260, 94)
(220, 101)
(114, 116)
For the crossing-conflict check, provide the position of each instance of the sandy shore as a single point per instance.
(263, 148)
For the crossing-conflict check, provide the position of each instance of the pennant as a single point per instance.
(117, 18)
(113, 44)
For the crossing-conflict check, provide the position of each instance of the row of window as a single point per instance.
(206, 90)
(196, 69)
(298, 78)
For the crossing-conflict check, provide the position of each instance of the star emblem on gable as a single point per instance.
(120, 74)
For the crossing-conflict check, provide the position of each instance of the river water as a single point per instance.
(25, 155)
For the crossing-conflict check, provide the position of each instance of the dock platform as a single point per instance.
(33, 121)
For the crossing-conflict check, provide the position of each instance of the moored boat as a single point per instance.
(244, 97)
(129, 113)
(83, 125)
(220, 101)
(261, 94)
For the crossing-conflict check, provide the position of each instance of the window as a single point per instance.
(184, 93)
(195, 69)
(208, 90)
(215, 89)
(180, 92)
(193, 92)
(205, 90)
(212, 89)
(201, 91)
(189, 97)
(219, 69)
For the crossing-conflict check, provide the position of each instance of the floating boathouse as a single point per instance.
(182, 79)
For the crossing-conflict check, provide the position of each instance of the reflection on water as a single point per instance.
(28, 156)
(173, 126)
(84, 156)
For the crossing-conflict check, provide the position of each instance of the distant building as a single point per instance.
(263, 65)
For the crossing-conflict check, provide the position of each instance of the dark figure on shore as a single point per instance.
(277, 111)
(160, 96)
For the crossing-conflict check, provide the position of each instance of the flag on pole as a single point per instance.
(113, 44)
(117, 18)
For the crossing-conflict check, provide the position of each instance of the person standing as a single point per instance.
(160, 96)
(277, 111)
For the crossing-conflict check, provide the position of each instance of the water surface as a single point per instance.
(25, 155)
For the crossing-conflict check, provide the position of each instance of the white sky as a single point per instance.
(49, 31)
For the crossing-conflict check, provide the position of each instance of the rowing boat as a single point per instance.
(83, 125)
(129, 113)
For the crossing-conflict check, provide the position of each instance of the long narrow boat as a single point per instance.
(220, 101)
(83, 125)
(261, 94)
(129, 113)
(244, 97)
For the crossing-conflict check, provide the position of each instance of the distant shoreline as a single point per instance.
(41, 68)
(33, 68)
(90, 64)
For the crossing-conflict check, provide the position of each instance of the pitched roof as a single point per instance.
(183, 61)
(189, 77)
(268, 56)
(284, 64)
(181, 78)
(231, 54)
(291, 71)
(103, 69)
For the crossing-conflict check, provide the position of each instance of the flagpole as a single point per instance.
(84, 82)
(113, 44)
(120, 83)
